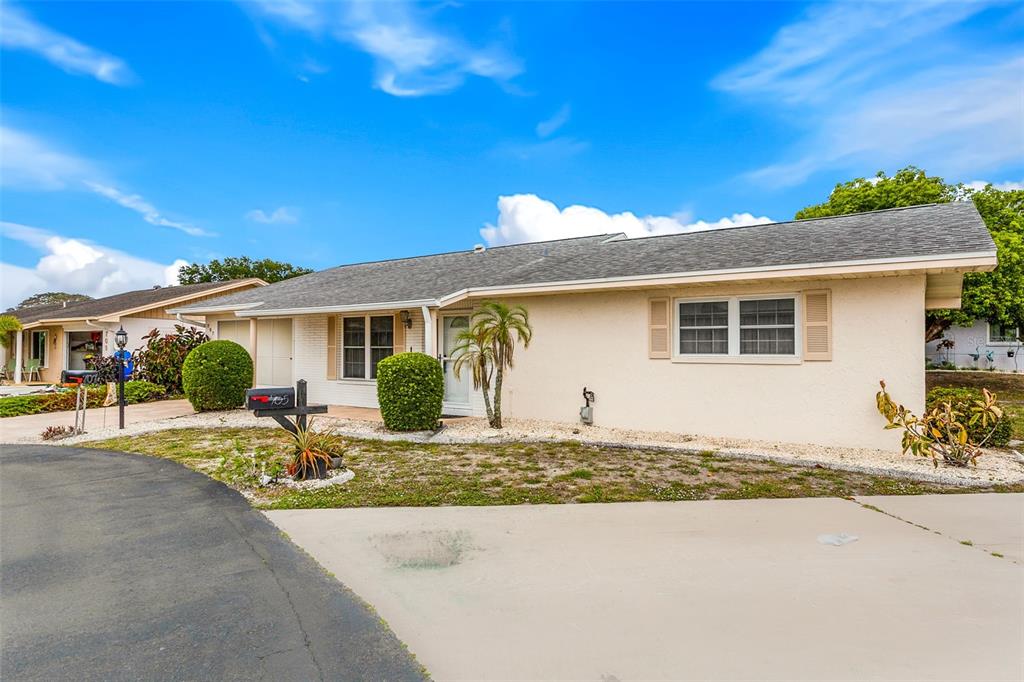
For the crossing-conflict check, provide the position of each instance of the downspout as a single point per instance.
(428, 331)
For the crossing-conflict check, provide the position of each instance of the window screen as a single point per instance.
(704, 328)
(768, 327)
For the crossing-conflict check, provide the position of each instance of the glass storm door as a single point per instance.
(456, 389)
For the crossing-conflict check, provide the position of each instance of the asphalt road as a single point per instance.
(117, 566)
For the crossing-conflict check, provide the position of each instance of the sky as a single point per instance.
(138, 136)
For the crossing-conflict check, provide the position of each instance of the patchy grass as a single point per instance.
(1009, 389)
(398, 473)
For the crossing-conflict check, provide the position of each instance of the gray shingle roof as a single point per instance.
(110, 305)
(920, 231)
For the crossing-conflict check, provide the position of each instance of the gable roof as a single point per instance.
(126, 303)
(921, 233)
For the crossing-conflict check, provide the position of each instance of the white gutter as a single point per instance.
(213, 308)
(428, 331)
(195, 323)
(354, 308)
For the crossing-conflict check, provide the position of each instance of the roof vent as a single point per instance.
(479, 248)
(156, 286)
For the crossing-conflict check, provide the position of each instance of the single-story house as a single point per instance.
(60, 337)
(983, 345)
(774, 332)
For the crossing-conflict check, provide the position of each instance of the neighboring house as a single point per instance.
(983, 345)
(776, 332)
(61, 337)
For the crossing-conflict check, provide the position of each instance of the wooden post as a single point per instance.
(300, 401)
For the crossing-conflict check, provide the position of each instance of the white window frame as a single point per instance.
(734, 356)
(46, 347)
(367, 348)
(990, 342)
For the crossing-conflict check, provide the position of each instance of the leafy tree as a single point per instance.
(8, 324)
(910, 186)
(51, 297)
(491, 340)
(474, 351)
(268, 270)
(996, 296)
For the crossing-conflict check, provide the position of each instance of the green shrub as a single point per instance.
(216, 374)
(64, 399)
(410, 387)
(961, 399)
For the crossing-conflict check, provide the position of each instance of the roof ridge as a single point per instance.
(785, 222)
(466, 251)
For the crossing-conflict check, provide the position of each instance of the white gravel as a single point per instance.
(995, 467)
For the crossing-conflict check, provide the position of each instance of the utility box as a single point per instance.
(587, 415)
(277, 398)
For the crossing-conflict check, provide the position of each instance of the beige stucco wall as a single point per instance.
(599, 341)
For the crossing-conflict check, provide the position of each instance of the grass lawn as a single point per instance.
(390, 473)
(1009, 389)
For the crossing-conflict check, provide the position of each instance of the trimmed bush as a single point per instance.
(960, 399)
(216, 374)
(410, 387)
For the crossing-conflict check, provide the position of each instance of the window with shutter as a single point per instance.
(818, 325)
(658, 344)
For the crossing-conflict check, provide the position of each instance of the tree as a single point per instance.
(8, 325)
(996, 296)
(474, 351)
(50, 298)
(491, 343)
(230, 268)
(910, 186)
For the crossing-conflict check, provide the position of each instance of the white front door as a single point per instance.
(456, 389)
(274, 352)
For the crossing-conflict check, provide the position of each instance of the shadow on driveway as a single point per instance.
(120, 566)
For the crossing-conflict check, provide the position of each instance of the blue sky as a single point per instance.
(140, 135)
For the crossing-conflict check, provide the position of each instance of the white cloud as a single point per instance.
(1007, 186)
(528, 218)
(282, 214)
(78, 266)
(874, 85)
(559, 119)
(148, 212)
(29, 162)
(22, 32)
(412, 56)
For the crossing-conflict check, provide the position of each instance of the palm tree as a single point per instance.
(501, 326)
(475, 352)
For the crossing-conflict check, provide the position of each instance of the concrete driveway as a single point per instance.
(29, 426)
(123, 567)
(692, 590)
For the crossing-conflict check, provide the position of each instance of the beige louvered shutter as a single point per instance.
(657, 328)
(818, 325)
(398, 338)
(332, 347)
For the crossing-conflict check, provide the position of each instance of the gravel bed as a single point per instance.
(995, 467)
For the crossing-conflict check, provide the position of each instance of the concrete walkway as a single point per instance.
(123, 567)
(722, 590)
(15, 429)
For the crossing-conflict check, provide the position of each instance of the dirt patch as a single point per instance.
(425, 549)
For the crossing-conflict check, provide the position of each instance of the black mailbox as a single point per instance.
(270, 398)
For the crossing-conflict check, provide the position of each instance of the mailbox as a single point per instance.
(270, 398)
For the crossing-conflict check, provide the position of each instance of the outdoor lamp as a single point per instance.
(406, 318)
(121, 339)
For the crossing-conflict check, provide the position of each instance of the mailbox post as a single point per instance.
(121, 339)
(281, 403)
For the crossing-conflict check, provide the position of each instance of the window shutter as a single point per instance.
(818, 325)
(332, 347)
(398, 338)
(657, 328)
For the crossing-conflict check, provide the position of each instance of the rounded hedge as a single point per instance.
(410, 387)
(960, 399)
(216, 374)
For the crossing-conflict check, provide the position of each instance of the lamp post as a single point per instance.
(121, 339)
